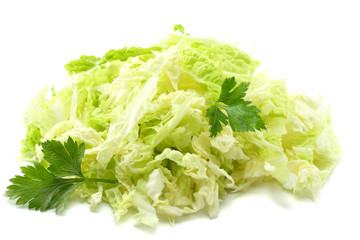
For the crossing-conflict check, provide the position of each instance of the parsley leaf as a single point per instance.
(216, 118)
(241, 115)
(46, 188)
(65, 159)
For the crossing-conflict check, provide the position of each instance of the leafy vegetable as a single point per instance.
(46, 188)
(179, 125)
(85, 63)
(180, 28)
(240, 114)
(32, 138)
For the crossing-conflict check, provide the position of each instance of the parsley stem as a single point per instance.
(216, 103)
(209, 101)
(84, 179)
(101, 180)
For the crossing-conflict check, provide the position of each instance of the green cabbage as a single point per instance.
(141, 114)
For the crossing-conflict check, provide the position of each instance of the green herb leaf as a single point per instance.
(65, 159)
(230, 95)
(241, 115)
(49, 188)
(216, 118)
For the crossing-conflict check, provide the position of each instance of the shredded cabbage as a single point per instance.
(141, 114)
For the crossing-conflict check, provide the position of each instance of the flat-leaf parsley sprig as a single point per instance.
(241, 115)
(47, 188)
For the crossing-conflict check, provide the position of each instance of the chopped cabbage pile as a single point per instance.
(141, 114)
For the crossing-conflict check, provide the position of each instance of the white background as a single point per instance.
(313, 45)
